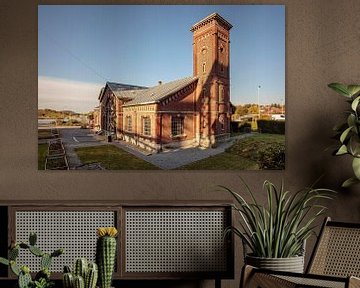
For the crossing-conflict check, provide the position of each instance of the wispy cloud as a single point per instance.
(63, 94)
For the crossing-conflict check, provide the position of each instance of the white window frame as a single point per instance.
(128, 123)
(146, 126)
(177, 126)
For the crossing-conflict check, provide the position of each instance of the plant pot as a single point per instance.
(291, 264)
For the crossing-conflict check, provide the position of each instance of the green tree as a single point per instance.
(241, 110)
(254, 109)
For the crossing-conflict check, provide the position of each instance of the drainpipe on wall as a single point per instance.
(161, 116)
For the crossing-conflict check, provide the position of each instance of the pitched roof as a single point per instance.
(117, 88)
(156, 93)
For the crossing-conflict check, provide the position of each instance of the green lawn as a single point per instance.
(112, 158)
(223, 161)
(249, 147)
(42, 152)
(242, 155)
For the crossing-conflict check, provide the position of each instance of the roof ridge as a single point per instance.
(180, 79)
(156, 93)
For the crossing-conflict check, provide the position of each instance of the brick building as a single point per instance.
(193, 111)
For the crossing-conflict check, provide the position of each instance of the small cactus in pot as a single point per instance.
(106, 254)
(85, 275)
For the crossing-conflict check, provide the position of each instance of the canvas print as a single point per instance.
(138, 87)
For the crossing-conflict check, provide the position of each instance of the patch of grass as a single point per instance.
(242, 155)
(112, 158)
(249, 147)
(42, 152)
(222, 161)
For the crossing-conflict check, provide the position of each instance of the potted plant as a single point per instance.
(349, 132)
(42, 278)
(106, 254)
(84, 274)
(276, 233)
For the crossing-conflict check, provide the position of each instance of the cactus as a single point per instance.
(91, 276)
(24, 246)
(32, 238)
(80, 267)
(42, 278)
(57, 252)
(79, 282)
(67, 269)
(68, 280)
(87, 272)
(13, 253)
(106, 254)
(44, 273)
(36, 251)
(24, 280)
(14, 268)
(45, 261)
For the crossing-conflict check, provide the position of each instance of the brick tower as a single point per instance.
(211, 53)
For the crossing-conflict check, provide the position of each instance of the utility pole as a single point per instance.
(258, 92)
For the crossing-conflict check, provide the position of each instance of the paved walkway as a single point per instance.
(179, 157)
(171, 159)
(73, 138)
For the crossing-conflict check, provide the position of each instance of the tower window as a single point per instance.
(177, 126)
(146, 126)
(204, 67)
(204, 95)
(222, 121)
(221, 93)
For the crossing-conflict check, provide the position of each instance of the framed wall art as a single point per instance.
(138, 87)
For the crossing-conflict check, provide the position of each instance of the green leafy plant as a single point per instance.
(43, 283)
(349, 132)
(42, 278)
(279, 229)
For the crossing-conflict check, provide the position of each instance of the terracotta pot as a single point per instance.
(291, 264)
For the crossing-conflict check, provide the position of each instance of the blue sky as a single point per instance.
(81, 47)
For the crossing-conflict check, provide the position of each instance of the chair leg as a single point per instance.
(246, 273)
(354, 282)
(250, 278)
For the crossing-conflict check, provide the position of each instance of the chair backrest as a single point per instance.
(337, 251)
